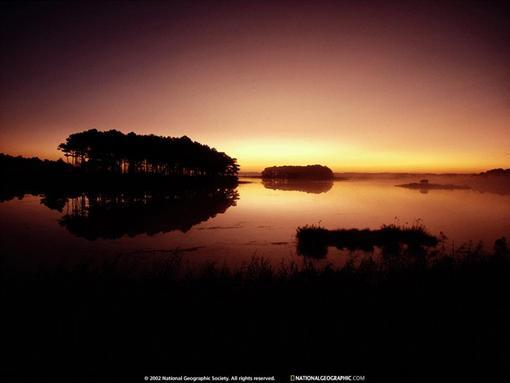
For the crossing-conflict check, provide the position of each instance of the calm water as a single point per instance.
(232, 226)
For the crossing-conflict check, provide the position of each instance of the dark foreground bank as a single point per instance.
(433, 318)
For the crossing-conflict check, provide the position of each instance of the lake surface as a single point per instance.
(233, 225)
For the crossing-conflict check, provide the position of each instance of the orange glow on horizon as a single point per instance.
(350, 86)
(255, 156)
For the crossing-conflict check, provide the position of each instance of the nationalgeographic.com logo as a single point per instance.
(327, 378)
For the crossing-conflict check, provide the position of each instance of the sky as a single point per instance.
(354, 85)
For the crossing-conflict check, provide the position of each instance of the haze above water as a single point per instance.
(261, 221)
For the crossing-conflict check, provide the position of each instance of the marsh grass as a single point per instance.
(401, 318)
(314, 240)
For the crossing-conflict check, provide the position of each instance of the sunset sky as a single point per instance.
(355, 85)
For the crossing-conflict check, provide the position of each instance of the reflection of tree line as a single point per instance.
(111, 215)
(308, 186)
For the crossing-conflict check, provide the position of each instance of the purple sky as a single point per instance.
(355, 85)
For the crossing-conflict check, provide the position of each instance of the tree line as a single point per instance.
(115, 152)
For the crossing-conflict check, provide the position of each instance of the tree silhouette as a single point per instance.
(115, 152)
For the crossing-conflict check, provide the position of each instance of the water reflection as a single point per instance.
(308, 186)
(262, 224)
(111, 215)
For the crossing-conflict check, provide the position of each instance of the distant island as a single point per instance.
(315, 172)
(425, 185)
(500, 172)
(491, 181)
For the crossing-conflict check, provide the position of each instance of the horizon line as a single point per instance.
(343, 171)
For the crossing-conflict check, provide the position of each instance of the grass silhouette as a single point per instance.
(402, 318)
(313, 240)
